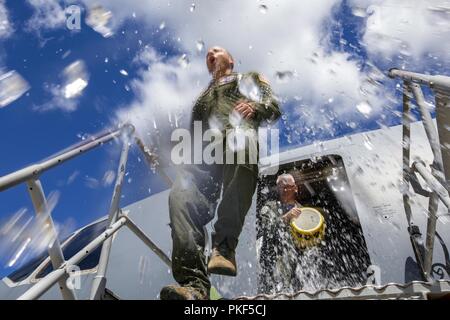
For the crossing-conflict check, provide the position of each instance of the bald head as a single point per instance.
(287, 188)
(219, 61)
(285, 179)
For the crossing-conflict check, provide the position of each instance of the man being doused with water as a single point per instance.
(334, 259)
(223, 107)
(278, 252)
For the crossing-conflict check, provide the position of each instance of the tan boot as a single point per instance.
(175, 292)
(222, 261)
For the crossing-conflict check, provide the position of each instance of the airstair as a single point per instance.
(436, 177)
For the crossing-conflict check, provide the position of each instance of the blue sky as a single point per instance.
(30, 133)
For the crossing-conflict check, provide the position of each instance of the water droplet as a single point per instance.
(192, 7)
(249, 89)
(12, 87)
(200, 45)
(283, 76)
(183, 61)
(367, 143)
(359, 12)
(123, 72)
(100, 19)
(365, 108)
(162, 25)
(76, 79)
(263, 8)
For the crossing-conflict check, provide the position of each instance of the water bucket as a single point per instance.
(308, 229)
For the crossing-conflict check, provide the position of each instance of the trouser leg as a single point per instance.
(190, 210)
(239, 184)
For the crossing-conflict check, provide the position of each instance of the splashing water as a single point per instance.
(283, 76)
(183, 61)
(359, 12)
(76, 79)
(12, 87)
(100, 19)
(249, 88)
(200, 45)
(26, 235)
(365, 108)
(108, 178)
(263, 8)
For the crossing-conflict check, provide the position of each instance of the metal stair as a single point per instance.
(416, 290)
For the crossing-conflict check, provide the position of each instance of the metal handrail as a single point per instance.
(117, 219)
(33, 171)
(53, 277)
(438, 177)
(433, 81)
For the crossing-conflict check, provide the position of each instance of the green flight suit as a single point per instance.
(195, 194)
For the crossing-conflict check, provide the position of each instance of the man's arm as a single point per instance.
(264, 110)
(267, 109)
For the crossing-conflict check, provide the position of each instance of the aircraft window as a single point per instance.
(77, 243)
(23, 272)
(69, 250)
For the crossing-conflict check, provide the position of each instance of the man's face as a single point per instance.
(287, 187)
(217, 58)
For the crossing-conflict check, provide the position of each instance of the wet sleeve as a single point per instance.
(267, 109)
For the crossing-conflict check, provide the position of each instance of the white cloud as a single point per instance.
(412, 28)
(58, 101)
(5, 25)
(47, 15)
(165, 94)
(288, 36)
(65, 96)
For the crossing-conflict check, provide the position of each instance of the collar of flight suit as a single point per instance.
(225, 79)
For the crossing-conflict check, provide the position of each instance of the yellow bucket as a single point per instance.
(308, 229)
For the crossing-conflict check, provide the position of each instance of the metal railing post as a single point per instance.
(144, 238)
(442, 99)
(434, 184)
(49, 280)
(99, 282)
(413, 230)
(431, 133)
(54, 250)
(406, 143)
(437, 170)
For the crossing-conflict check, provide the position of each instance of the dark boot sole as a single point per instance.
(222, 271)
(171, 294)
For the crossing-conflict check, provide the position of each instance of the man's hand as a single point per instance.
(245, 109)
(291, 214)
